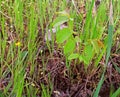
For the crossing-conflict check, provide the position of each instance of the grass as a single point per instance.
(89, 39)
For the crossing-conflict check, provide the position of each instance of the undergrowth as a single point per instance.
(43, 42)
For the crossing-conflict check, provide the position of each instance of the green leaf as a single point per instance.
(73, 56)
(95, 46)
(63, 13)
(82, 58)
(63, 35)
(69, 46)
(87, 54)
(60, 20)
(77, 39)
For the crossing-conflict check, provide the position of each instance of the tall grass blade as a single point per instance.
(116, 67)
(99, 86)
(88, 20)
(109, 45)
(116, 93)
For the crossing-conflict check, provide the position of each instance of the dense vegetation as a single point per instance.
(59, 48)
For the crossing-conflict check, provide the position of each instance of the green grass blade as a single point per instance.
(116, 93)
(117, 68)
(99, 86)
(88, 20)
(109, 46)
(110, 33)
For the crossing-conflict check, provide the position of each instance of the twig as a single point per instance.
(5, 15)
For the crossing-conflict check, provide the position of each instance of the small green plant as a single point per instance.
(74, 44)
(23, 24)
